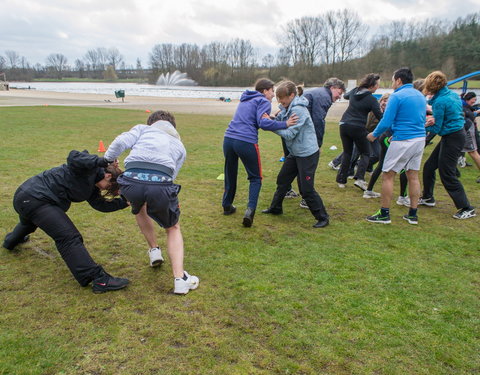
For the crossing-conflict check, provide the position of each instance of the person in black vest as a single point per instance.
(43, 200)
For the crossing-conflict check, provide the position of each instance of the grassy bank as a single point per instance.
(277, 298)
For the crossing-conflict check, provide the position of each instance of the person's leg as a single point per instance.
(287, 174)
(230, 172)
(306, 176)
(404, 183)
(250, 156)
(175, 249)
(375, 151)
(147, 227)
(378, 169)
(347, 143)
(429, 169)
(452, 145)
(413, 187)
(387, 188)
(69, 242)
(337, 160)
(363, 147)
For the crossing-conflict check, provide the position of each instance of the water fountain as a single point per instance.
(175, 79)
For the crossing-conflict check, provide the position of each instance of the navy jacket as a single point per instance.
(319, 102)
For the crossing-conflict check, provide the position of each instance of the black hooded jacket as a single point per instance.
(361, 102)
(73, 182)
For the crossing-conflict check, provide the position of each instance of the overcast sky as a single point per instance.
(35, 29)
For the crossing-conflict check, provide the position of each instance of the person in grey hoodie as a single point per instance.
(241, 142)
(302, 160)
(156, 156)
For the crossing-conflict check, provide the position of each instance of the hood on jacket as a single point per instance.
(359, 93)
(166, 127)
(250, 94)
(297, 100)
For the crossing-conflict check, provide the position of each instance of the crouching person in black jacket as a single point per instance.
(43, 200)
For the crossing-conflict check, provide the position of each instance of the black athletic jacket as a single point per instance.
(361, 102)
(73, 182)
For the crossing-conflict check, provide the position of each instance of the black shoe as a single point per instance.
(321, 223)
(272, 211)
(248, 218)
(106, 283)
(229, 210)
(11, 246)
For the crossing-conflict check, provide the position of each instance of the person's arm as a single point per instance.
(377, 111)
(123, 142)
(99, 203)
(438, 115)
(388, 117)
(266, 123)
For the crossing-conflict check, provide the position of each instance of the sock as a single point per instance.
(412, 212)
(385, 211)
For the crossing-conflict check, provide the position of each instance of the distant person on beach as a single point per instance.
(43, 200)
(156, 156)
(404, 117)
(302, 160)
(241, 142)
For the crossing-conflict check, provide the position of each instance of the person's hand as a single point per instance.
(430, 121)
(292, 120)
(266, 115)
(371, 137)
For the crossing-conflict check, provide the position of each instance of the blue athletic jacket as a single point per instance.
(447, 111)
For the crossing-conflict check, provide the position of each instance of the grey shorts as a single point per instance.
(470, 141)
(160, 197)
(404, 155)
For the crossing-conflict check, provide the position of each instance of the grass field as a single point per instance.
(278, 298)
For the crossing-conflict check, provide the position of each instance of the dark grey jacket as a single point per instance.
(361, 103)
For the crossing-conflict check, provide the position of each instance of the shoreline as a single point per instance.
(29, 98)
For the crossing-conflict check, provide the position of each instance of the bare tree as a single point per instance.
(57, 63)
(3, 63)
(351, 32)
(114, 57)
(161, 57)
(13, 59)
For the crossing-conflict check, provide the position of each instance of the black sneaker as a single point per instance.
(272, 211)
(430, 202)
(248, 218)
(379, 218)
(321, 223)
(411, 219)
(229, 210)
(107, 283)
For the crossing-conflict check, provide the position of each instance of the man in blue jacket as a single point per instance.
(404, 118)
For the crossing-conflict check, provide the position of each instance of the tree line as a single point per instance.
(310, 49)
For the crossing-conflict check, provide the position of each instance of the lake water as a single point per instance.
(135, 89)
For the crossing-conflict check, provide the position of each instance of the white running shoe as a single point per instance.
(361, 184)
(403, 201)
(332, 166)
(341, 186)
(465, 213)
(371, 194)
(182, 286)
(156, 258)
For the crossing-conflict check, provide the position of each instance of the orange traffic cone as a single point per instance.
(148, 111)
(101, 147)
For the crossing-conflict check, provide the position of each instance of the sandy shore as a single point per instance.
(176, 105)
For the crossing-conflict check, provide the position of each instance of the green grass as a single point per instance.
(277, 298)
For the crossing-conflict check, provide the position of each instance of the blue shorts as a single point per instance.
(160, 197)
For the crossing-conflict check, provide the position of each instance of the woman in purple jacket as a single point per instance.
(241, 141)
